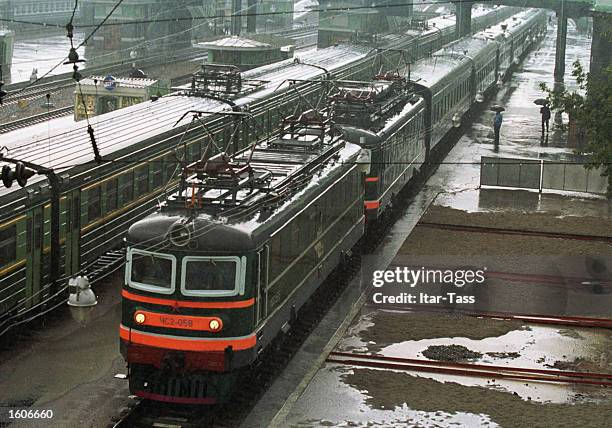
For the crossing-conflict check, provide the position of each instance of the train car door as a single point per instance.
(262, 284)
(69, 233)
(73, 232)
(34, 230)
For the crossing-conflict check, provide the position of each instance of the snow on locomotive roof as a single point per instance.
(346, 155)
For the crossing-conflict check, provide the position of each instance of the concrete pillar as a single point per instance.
(601, 45)
(6, 11)
(560, 48)
(252, 17)
(560, 52)
(236, 18)
(463, 12)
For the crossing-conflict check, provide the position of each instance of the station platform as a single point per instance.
(537, 264)
(69, 367)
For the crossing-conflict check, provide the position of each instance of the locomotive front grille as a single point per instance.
(149, 383)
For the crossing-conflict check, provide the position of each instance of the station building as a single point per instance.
(99, 94)
(248, 52)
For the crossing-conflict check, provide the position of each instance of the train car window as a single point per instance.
(157, 177)
(194, 151)
(170, 166)
(111, 195)
(127, 187)
(141, 182)
(94, 206)
(151, 271)
(210, 276)
(8, 245)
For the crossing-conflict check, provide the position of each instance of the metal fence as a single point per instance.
(539, 174)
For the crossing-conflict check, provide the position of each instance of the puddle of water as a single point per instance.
(328, 401)
(539, 348)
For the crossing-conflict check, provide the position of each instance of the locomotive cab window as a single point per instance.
(212, 276)
(151, 271)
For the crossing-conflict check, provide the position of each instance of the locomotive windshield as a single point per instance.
(210, 276)
(151, 271)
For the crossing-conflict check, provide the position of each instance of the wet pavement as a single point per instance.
(69, 367)
(341, 395)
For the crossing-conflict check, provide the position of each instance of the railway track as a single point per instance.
(33, 120)
(573, 321)
(523, 232)
(470, 369)
(21, 91)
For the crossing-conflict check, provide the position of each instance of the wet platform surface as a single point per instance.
(533, 275)
(69, 366)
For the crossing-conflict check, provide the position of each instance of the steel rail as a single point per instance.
(575, 321)
(35, 119)
(506, 231)
(470, 369)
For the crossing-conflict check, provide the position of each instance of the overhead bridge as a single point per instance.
(600, 10)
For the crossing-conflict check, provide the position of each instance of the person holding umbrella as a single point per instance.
(544, 112)
(497, 121)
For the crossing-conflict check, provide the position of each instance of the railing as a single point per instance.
(541, 175)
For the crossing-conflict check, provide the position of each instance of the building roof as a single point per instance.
(124, 82)
(603, 6)
(252, 43)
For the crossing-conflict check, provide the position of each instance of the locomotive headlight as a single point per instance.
(139, 317)
(214, 324)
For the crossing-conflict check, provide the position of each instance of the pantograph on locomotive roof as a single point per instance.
(260, 176)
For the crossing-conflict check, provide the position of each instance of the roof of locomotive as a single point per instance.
(220, 234)
(377, 135)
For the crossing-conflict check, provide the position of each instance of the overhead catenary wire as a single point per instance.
(276, 13)
(97, 27)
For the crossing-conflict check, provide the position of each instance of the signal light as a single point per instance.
(21, 175)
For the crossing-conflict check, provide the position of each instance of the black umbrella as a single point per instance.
(541, 101)
(497, 108)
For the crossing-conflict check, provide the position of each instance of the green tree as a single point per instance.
(590, 106)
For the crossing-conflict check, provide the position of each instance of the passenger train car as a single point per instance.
(50, 235)
(443, 89)
(228, 260)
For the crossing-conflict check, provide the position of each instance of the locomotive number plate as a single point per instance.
(174, 321)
